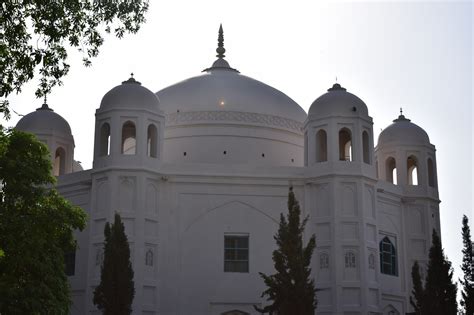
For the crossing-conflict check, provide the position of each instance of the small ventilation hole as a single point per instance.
(225, 152)
(263, 154)
(184, 153)
(292, 160)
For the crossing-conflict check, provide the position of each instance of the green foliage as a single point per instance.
(36, 34)
(417, 299)
(468, 269)
(290, 289)
(440, 291)
(36, 229)
(114, 295)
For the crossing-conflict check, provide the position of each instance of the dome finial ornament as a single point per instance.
(220, 44)
(45, 104)
(401, 117)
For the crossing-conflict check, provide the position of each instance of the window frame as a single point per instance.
(232, 264)
(388, 257)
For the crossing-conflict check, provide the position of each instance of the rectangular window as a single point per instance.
(70, 263)
(236, 253)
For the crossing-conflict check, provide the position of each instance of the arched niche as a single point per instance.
(412, 169)
(321, 146)
(391, 170)
(365, 147)
(345, 145)
(129, 141)
(104, 141)
(152, 141)
(59, 167)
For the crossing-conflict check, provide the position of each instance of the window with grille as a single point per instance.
(388, 257)
(236, 253)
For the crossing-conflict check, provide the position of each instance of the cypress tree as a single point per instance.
(290, 289)
(468, 269)
(417, 299)
(114, 295)
(440, 291)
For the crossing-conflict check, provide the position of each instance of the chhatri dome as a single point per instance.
(44, 120)
(403, 130)
(223, 88)
(129, 95)
(338, 102)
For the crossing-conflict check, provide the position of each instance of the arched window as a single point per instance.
(345, 145)
(412, 168)
(323, 261)
(391, 170)
(59, 162)
(152, 149)
(365, 147)
(321, 146)
(431, 173)
(149, 258)
(129, 142)
(377, 169)
(350, 260)
(388, 257)
(105, 140)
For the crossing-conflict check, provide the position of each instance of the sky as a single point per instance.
(410, 54)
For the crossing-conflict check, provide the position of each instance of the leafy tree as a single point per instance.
(468, 269)
(417, 299)
(36, 34)
(114, 295)
(290, 289)
(36, 229)
(440, 291)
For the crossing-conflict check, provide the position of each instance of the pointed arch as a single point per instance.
(365, 147)
(129, 140)
(391, 170)
(104, 146)
(388, 257)
(345, 145)
(412, 169)
(321, 146)
(59, 167)
(431, 173)
(152, 141)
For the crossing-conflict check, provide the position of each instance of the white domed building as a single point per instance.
(200, 170)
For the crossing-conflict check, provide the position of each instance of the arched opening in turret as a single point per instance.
(129, 142)
(105, 139)
(391, 171)
(365, 147)
(345, 145)
(152, 150)
(431, 173)
(59, 167)
(412, 168)
(321, 146)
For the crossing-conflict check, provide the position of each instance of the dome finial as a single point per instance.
(401, 117)
(45, 104)
(220, 43)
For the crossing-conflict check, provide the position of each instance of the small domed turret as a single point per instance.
(129, 127)
(403, 130)
(406, 157)
(129, 95)
(338, 102)
(53, 130)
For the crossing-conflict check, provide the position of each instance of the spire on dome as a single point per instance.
(45, 104)
(401, 117)
(220, 63)
(220, 43)
(131, 80)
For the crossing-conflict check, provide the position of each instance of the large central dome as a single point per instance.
(224, 116)
(225, 89)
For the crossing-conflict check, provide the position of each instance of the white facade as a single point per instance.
(200, 173)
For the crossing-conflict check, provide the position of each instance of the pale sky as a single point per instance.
(415, 55)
